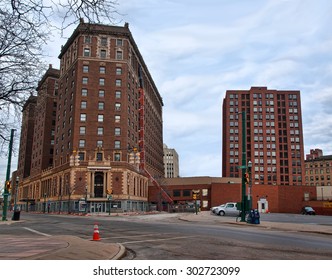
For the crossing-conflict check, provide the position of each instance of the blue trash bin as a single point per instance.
(256, 217)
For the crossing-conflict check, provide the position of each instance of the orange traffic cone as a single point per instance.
(96, 236)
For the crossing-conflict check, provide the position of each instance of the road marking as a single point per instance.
(36, 231)
(156, 240)
(135, 236)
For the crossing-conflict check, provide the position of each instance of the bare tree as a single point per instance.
(25, 28)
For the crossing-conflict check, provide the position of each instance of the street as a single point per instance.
(168, 237)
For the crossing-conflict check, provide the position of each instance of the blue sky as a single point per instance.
(196, 50)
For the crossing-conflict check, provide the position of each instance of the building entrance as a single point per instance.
(99, 184)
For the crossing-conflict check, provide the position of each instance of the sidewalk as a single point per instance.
(63, 247)
(208, 217)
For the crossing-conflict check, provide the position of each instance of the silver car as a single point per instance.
(213, 209)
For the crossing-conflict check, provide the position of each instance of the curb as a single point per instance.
(121, 254)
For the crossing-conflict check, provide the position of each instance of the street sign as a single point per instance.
(109, 197)
(242, 167)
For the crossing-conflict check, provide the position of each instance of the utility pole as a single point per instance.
(6, 191)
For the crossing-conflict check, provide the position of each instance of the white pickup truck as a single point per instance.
(228, 209)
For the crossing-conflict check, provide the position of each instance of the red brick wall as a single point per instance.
(222, 193)
(281, 199)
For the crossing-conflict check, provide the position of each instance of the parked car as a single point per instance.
(213, 209)
(308, 210)
(229, 209)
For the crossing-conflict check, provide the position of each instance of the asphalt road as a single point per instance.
(171, 238)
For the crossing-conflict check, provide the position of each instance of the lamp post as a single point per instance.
(6, 191)
(243, 167)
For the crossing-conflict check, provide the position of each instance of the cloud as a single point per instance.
(196, 50)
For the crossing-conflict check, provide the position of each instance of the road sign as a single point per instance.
(242, 167)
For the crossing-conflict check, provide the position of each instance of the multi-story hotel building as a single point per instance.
(106, 127)
(45, 119)
(274, 137)
(27, 130)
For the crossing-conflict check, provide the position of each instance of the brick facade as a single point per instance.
(274, 136)
(92, 114)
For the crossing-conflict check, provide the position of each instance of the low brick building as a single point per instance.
(215, 191)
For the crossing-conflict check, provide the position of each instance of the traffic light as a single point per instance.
(246, 178)
(8, 186)
(194, 196)
(109, 191)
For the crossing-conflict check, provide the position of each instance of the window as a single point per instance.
(86, 52)
(117, 144)
(102, 54)
(119, 42)
(117, 157)
(117, 131)
(102, 69)
(100, 130)
(82, 143)
(85, 68)
(87, 39)
(83, 104)
(82, 130)
(100, 105)
(117, 118)
(186, 192)
(103, 41)
(83, 117)
(176, 193)
(99, 156)
(84, 92)
(101, 93)
(85, 80)
(81, 156)
(101, 81)
(99, 143)
(119, 55)
(100, 118)
(118, 71)
(118, 82)
(117, 106)
(117, 94)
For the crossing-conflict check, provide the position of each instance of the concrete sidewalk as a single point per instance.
(63, 247)
(207, 217)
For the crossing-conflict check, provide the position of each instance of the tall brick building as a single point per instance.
(96, 128)
(27, 130)
(274, 136)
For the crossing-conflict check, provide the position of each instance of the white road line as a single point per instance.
(134, 236)
(156, 240)
(36, 231)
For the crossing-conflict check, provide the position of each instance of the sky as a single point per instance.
(196, 50)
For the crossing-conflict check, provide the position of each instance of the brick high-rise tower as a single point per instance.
(274, 136)
(107, 127)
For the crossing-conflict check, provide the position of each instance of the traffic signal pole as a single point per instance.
(6, 191)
